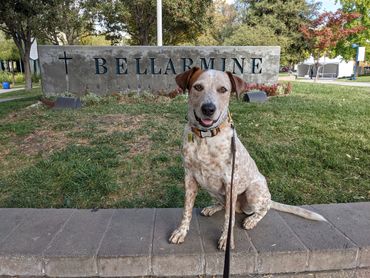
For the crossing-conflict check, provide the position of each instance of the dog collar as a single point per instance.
(214, 131)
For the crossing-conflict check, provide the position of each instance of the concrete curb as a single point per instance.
(134, 242)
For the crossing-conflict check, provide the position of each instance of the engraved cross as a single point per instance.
(65, 58)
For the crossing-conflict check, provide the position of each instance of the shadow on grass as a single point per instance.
(16, 104)
(79, 177)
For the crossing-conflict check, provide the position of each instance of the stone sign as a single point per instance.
(104, 70)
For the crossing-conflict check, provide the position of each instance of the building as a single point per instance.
(327, 68)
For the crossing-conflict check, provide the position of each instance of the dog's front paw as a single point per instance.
(178, 236)
(223, 241)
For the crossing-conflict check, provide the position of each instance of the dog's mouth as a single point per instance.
(207, 122)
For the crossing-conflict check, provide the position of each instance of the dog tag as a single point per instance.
(190, 137)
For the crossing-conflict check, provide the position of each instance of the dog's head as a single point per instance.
(209, 94)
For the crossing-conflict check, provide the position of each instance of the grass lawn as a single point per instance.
(28, 98)
(313, 146)
(22, 93)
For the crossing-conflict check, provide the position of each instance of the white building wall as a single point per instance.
(346, 69)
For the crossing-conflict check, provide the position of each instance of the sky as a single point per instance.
(329, 5)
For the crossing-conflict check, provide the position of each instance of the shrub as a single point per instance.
(36, 78)
(19, 78)
(271, 90)
(5, 77)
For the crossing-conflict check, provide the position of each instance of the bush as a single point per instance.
(19, 77)
(5, 76)
(271, 90)
(36, 78)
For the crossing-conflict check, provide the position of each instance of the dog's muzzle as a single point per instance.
(206, 122)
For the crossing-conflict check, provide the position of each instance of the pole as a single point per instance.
(159, 23)
(354, 45)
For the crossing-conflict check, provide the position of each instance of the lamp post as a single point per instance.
(159, 23)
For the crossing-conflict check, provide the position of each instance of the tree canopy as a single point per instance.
(280, 19)
(323, 34)
(183, 21)
(73, 21)
(23, 21)
(8, 49)
(361, 7)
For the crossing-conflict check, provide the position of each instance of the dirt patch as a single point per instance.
(142, 98)
(45, 142)
(118, 122)
(142, 144)
(123, 123)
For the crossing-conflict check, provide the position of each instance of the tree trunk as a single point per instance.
(27, 68)
(13, 73)
(317, 70)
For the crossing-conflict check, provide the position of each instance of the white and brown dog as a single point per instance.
(208, 158)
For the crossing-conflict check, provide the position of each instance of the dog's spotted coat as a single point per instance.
(207, 161)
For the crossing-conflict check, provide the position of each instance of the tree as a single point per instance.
(284, 18)
(23, 21)
(183, 21)
(248, 35)
(8, 52)
(94, 40)
(224, 22)
(323, 33)
(8, 49)
(73, 22)
(362, 38)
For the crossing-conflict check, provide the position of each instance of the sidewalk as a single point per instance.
(134, 242)
(336, 82)
(10, 90)
(10, 99)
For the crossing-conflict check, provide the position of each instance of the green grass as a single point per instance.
(25, 99)
(22, 93)
(313, 146)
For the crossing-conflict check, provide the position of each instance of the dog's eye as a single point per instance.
(198, 87)
(222, 90)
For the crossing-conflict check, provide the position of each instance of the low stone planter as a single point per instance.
(134, 242)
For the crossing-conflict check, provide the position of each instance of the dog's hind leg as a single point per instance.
(209, 211)
(256, 206)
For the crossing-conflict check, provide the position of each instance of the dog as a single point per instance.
(207, 157)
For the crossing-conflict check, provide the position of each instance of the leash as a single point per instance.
(228, 242)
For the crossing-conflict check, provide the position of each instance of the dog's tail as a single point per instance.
(298, 211)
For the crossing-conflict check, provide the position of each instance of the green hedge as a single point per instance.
(19, 77)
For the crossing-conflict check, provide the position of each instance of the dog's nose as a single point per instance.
(208, 109)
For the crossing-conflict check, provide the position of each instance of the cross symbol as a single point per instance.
(65, 58)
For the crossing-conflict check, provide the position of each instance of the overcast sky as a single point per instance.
(329, 5)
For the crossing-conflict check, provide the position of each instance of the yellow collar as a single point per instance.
(214, 131)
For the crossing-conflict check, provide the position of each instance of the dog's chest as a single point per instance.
(209, 161)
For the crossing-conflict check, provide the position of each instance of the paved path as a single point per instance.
(336, 82)
(10, 90)
(10, 99)
(134, 242)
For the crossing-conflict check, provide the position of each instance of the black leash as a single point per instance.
(228, 242)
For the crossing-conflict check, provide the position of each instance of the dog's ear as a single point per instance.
(238, 85)
(184, 79)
